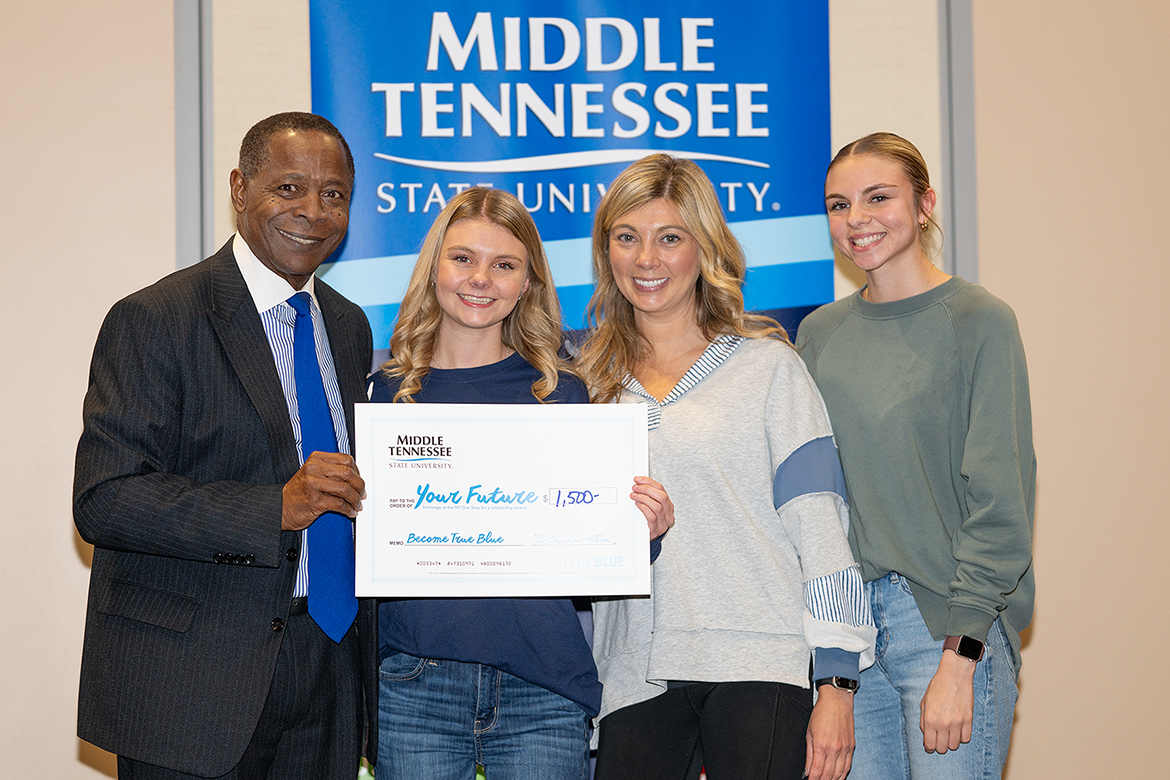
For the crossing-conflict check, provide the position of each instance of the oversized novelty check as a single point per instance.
(501, 500)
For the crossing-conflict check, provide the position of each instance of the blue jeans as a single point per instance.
(888, 705)
(438, 719)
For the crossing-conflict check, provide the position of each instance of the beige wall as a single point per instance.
(1072, 126)
(87, 194)
(273, 50)
(897, 91)
(1072, 120)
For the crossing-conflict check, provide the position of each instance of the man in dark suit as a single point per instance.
(203, 655)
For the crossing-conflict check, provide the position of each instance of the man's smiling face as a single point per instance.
(294, 211)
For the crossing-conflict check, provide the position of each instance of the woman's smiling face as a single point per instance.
(655, 259)
(481, 273)
(874, 216)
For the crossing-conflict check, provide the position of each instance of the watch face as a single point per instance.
(843, 683)
(970, 648)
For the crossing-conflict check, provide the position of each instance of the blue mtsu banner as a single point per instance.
(551, 101)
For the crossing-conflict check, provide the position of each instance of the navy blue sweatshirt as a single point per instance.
(538, 640)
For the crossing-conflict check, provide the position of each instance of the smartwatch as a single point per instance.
(840, 683)
(964, 647)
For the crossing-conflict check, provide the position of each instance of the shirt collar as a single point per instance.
(267, 289)
(713, 356)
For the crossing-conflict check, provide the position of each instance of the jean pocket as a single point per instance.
(1001, 633)
(902, 583)
(401, 666)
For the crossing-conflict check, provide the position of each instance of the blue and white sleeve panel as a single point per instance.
(808, 491)
(813, 468)
(838, 624)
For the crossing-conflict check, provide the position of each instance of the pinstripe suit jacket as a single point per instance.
(185, 450)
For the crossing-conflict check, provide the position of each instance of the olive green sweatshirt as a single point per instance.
(928, 398)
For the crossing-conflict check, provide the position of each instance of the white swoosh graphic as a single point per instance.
(548, 162)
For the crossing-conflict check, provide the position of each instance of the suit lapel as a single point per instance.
(241, 334)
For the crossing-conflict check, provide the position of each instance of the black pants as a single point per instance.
(311, 723)
(738, 730)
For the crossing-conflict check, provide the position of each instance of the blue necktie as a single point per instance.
(332, 603)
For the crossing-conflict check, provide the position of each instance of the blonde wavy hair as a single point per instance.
(533, 328)
(615, 346)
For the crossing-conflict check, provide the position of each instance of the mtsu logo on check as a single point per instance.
(420, 452)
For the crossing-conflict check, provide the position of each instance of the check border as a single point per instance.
(550, 482)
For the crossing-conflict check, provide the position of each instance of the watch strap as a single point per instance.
(965, 647)
(840, 683)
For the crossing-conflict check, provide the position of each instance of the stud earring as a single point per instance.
(923, 227)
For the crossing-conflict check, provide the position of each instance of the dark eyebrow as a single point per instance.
(299, 176)
(337, 184)
(865, 191)
(873, 187)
